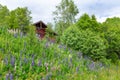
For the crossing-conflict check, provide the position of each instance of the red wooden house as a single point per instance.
(41, 30)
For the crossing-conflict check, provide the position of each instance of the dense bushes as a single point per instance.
(86, 41)
(88, 22)
(113, 38)
(95, 39)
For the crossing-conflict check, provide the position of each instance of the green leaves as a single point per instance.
(86, 22)
(4, 12)
(19, 19)
(64, 16)
(86, 41)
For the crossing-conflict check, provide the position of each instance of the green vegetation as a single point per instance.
(64, 16)
(86, 41)
(23, 58)
(86, 49)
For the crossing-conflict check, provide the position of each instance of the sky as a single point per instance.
(42, 9)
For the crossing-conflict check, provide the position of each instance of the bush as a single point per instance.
(113, 38)
(86, 41)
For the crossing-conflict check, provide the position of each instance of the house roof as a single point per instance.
(43, 25)
(40, 22)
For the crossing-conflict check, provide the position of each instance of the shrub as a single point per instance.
(86, 41)
(113, 38)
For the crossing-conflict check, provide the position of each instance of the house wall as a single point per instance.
(41, 33)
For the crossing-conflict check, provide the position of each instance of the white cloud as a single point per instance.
(42, 9)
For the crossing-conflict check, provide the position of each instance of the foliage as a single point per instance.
(86, 41)
(49, 31)
(64, 15)
(111, 31)
(24, 59)
(112, 36)
(112, 22)
(4, 12)
(87, 22)
(19, 19)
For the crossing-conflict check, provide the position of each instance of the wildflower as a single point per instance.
(7, 76)
(70, 51)
(33, 56)
(15, 35)
(20, 63)
(6, 61)
(21, 53)
(33, 63)
(25, 44)
(25, 60)
(60, 46)
(92, 66)
(12, 61)
(77, 69)
(65, 47)
(21, 34)
(87, 58)
(99, 65)
(48, 76)
(47, 45)
(11, 76)
(79, 55)
(39, 63)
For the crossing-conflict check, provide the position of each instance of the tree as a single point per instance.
(19, 19)
(49, 30)
(4, 12)
(86, 41)
(87, 22)
(112, 32)
(65, 14)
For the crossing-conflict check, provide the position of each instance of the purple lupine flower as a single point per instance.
(47, 45)
(33, 56)
(70, 60)
(92, 66)
(87, 58)
(20, 63)
(48, 76)
(7, 76)
(101, 64)
(65, 47)
(79, 55)
(33, 63)
(77, 69)
(60, 46)
(21, 34)
(15, 35)
(25, 60)
(25, 44)
(70, 51)
(39, 63)
(12, 61)
(11, 76)
(6, 61)
(21, 53)
(66, 60)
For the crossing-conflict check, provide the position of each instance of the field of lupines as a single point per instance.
(27, 58)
